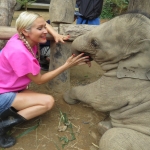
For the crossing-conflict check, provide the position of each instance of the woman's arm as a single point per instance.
(57, 37)
(71, 61)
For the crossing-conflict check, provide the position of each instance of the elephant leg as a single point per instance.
(69, 98)
(86, 94)
(124, 139)
(103, 126)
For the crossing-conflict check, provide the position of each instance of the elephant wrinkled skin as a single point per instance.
(121, 47)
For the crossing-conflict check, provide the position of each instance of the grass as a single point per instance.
(64, 139)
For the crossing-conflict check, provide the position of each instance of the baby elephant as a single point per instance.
(121, 47)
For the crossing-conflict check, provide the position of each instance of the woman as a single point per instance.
(18, 67)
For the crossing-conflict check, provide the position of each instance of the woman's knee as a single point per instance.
(48, 102)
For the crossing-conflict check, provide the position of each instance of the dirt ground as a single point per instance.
(84, 119)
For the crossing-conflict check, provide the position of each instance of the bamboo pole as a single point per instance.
(7, 32)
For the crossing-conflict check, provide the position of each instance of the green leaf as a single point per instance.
(64, 119)
(28, 130)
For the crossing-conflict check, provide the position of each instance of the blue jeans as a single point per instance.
(6, 100)
(81, 20)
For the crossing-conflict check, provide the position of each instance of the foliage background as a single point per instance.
(112, 8)
(25, 2)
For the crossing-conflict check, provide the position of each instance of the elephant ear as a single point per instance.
(137, 65)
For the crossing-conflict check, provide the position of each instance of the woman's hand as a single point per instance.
(57, 37)
(61, 38)
(77, 60)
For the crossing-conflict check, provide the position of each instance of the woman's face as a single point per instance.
(37, 33)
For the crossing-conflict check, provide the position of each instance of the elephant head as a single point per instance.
(121, 46)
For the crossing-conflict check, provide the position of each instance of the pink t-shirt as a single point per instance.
(16, 61)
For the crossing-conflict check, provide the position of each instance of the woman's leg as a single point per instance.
(31, 104)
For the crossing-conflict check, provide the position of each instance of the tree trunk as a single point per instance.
(6, 15)
(61, 11)
(139, 6)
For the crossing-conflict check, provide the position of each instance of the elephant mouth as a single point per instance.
(87, 54)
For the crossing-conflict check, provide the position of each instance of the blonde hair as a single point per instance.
(25, 22)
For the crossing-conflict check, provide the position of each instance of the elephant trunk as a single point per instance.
(77, 47)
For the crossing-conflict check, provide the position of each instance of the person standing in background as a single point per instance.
(89, 11)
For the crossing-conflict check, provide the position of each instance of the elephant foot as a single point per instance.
(103, 126)
(69, 100)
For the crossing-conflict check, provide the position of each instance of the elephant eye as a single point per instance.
(94, 43)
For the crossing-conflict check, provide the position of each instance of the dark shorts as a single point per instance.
(6, 100)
